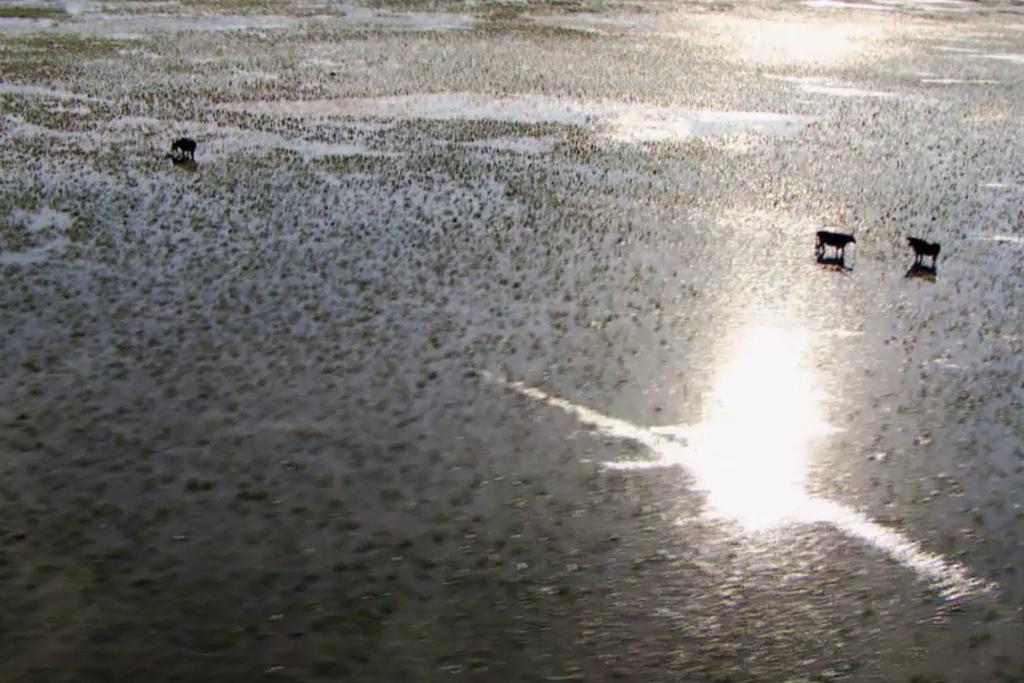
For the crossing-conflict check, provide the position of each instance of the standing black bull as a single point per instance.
(922, 248)
(183, 148)
(837, 240)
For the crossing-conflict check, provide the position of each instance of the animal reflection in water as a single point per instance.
(183, 154)
(923, 249)
(922, 271)
(838, 242)
(749, 453)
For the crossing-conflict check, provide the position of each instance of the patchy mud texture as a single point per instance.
(485, 341)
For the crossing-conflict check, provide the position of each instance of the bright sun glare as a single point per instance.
(780, 43)
(751, 452)
(753, 443)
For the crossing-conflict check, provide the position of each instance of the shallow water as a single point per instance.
(490, 345)
(622, 121)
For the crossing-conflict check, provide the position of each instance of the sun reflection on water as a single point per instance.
(754, 440)
(784, 42)
(750, 453)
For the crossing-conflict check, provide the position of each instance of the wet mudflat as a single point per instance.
(487, 343)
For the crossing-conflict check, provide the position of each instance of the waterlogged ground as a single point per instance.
(485, 342)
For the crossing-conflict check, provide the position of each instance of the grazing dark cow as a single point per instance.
(183, 148)
(837, 240)
(922, 249)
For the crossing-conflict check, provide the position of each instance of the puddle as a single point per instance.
(220, 140)
(816, 86)
(36, 221)
(890, 5)
(959, 81)
(18, 127)
(24, 24)
(131, 26)
(796, 42)
(838, 4)
(841, 91)
(1012, 58)
(1003, 239)
(42, 91)
(954, 48)
(73, 111)
(30, 256)
(592, 23)
(98, 23)
(416, 21)
(617, 120)
(245, 76)
(520, 145)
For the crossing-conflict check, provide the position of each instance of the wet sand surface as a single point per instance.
(486, 342)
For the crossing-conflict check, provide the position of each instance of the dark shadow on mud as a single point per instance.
(922, 271)
(185, 165)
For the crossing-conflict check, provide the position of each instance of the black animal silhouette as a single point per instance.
(922, 248)
(183, 148)
(836, 240)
